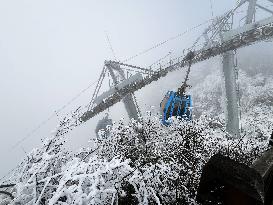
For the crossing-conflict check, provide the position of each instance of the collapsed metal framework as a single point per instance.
(219, 40)
(221, 30)
(120, 80)
(248, 37)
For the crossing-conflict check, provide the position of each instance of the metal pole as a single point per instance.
(231, 98)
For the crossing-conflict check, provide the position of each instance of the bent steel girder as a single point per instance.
(261, 31)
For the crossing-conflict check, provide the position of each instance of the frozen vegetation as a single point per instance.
(145, 162)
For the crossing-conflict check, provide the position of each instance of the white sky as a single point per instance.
(51, 50)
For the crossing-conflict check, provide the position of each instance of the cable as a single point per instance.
(110, 45)
(159, 60)
(77, 96)
(8, 173)
(211, 8)
(166, 41)
(128, 59)
(52, 115)
(179, 35)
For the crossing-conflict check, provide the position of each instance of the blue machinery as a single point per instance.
(175, 105)
(178, 104)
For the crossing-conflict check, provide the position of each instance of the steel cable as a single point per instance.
(53, 115)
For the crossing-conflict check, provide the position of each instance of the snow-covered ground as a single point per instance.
(140, 163)
(145, 162)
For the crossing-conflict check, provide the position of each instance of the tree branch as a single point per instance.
(7, 193)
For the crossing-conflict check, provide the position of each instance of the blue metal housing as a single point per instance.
(175, 105)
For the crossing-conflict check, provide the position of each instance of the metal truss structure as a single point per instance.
(220, 38)
(120, 80)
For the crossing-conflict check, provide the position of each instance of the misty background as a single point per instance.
(51, 50)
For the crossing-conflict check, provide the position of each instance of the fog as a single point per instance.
(51, 50)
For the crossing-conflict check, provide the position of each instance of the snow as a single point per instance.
(144, 162)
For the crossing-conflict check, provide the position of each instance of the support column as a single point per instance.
(250, 11)
(231, 98)
(128, 99)
(130, 106)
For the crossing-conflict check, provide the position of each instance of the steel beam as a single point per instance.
(132, 66)
(133, 79)
(265, 9)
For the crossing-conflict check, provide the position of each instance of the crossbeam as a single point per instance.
(135, 78)
(265, 9)
(132, 66)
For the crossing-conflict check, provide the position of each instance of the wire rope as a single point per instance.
(53, 115)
